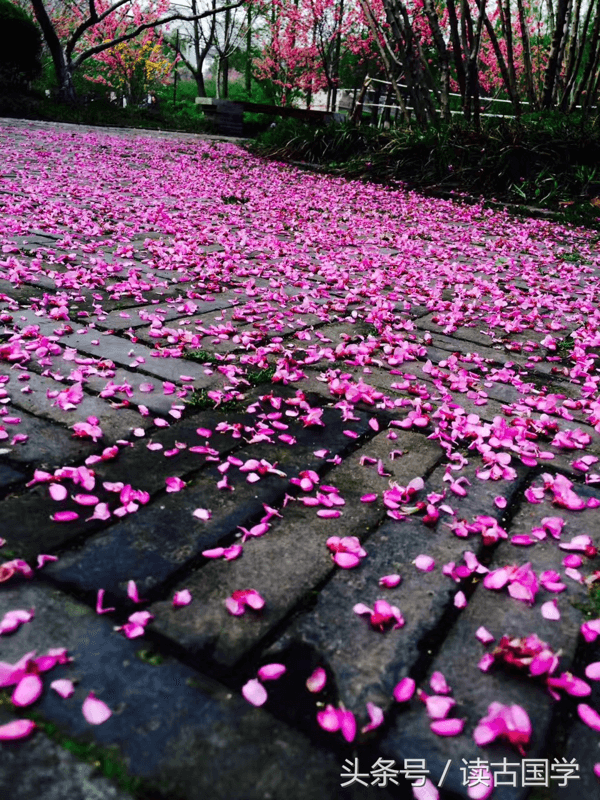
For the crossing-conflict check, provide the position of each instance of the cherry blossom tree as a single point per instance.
(70, 45)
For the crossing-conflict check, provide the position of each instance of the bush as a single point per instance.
(20, 47)
(546, 160)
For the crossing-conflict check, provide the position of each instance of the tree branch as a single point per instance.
(100, 48)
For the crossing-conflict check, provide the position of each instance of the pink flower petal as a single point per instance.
(255, 692)
(57, 491)
(438, 707)
(132, 592)
(346, 560)
(316, 682)
(271, 672)
(63, 687)
(484, 635)
(592, 671)
(203, 514)
(329, 719)
(182, 598)
(347, 725)
(99, 602)
(426, 792)
(448, 727)
(17, 729)
(550, 610)
(500, 502)
(390, 581)
(424, 563)
(375, 718)
(589, 716)
(64, 516)
(404, 690)
(460, 601)
(438, 683)
(174, 484)
(27, 691)
(95, 711)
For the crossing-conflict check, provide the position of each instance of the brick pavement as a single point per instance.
(180, 727)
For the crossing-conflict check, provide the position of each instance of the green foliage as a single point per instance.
(201, 356)
(548, 161)
(20, 46)
(181, 116)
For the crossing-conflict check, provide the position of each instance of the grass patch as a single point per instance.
(150, 657)
(201, 356)
(106, 760)
(591, 608)
(200, 401)
(258, 377)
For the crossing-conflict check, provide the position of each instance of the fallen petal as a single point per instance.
(255, 692)
(95, 711)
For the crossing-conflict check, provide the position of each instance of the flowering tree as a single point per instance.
(133, 65)
(304, 41)
(545, 57)
(70, 48)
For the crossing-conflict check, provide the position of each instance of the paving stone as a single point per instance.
(267, 566)
(460, 651)
(367, 664)
(9, 476)
(36, 402)
(125, 353)
(39, 769)
(188, 736)
(140, 315)
(48, 445)
(136, 548)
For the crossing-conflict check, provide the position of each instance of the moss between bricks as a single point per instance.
(105, 759)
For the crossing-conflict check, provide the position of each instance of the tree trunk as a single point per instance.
(553, 63)
(526, 55)
(249, 53)
(64, 78)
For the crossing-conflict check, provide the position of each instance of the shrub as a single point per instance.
(20, 47)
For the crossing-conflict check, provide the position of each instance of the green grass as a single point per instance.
(200, 401)
(106, 760)
(201, 356)
(258, 377)
(591, 608)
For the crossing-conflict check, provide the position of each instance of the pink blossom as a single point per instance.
(375, 718)
(507, 722)
(174, 484)
(424, 563)
(95, 711)
(390, 581)
(404, 690)
(347, 551)
(14, 619)
(17, 729)
(182, 598)
(316, 682)
(236, 604)
(383, 615)
(254, 692)
(63, 687)
(588, 715)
